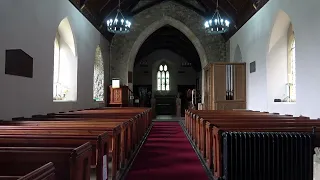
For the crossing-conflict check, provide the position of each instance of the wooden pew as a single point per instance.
(70, 163)
(191, 116)
(130, 125)
(45, 172)
(94, 115)
(145, 113)
(242, 122)
(118, 142)
(200, 129)
(142, 123)
(99, 142)
(195, 118)
(196, 121)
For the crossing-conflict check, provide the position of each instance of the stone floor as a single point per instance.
(168, 118)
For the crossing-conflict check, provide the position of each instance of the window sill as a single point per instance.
(64, 101)
(284, 102)
(98, 101)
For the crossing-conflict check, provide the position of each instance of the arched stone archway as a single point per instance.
(166, 20)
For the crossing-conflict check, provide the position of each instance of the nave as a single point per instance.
(166, 154)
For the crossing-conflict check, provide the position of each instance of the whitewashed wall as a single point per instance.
(253, 39)
(31, 26)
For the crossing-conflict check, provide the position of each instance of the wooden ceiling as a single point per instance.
(238, 11)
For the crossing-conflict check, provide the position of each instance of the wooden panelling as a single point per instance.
(225, 86)
(119, 96)
(240, 82)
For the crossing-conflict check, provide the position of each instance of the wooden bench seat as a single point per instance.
(99, 142)
(196, 122)
(193, 119)
(141, 124)
(209, 130)
(45, 172)
(125, 126)
(70, 163)
(200, 129)
(143, 121)
(124, 145)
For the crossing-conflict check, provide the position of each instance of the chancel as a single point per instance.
(159, 89)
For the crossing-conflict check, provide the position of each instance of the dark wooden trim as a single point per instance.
(148, 5)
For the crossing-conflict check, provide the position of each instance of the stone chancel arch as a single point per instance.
(65, 64)
(126, 47)
(166, 20)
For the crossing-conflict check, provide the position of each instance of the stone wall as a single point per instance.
(214, 47)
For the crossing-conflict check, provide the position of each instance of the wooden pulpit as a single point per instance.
(119, 96)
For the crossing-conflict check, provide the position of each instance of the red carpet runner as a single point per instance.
(166, 155)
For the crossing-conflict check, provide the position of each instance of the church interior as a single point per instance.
(159, 89)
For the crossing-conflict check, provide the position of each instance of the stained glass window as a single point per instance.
(163, 78)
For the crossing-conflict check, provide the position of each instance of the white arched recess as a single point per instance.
(166, 20)
(65, 64)
(98, 76)
(237, 55)
(277, 63)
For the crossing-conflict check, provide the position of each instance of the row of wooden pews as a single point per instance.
(77, 143)
(243, 144)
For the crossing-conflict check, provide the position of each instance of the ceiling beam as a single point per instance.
(230, 12)
(180, 2)
(135, 2)
(146, 6)
(190, 6)
(203, 5)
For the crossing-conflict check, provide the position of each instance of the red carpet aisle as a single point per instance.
(166, 155)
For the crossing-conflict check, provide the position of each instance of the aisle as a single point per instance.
(166, 155)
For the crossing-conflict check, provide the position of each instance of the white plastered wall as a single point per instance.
(254, 40)
(31, 26)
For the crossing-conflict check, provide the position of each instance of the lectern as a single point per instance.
(119, 96)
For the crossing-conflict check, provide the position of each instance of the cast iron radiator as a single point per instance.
(267, 156)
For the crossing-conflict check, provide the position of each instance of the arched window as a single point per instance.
(291, 65)
(163, 77)
(98, 76)
(65, 64)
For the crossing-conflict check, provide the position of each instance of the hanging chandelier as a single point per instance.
(217, 25)
(119, 24)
